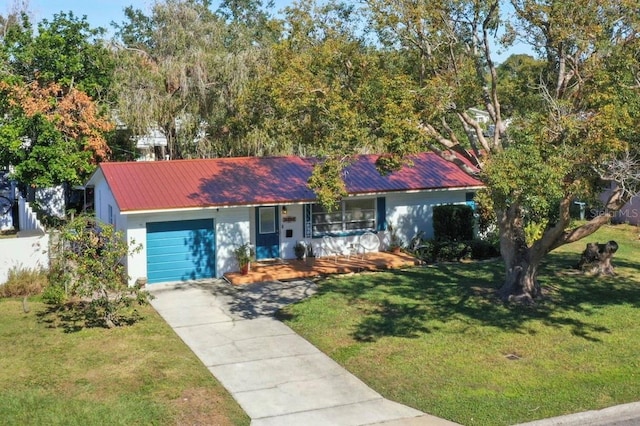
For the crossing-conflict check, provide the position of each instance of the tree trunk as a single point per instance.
(521, 262)
(521, 283)
(596, 258)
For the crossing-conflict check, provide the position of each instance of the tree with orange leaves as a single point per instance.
(51, 128)
(49, 135)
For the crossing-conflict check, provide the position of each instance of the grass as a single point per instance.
(437, 339)
(136, 375)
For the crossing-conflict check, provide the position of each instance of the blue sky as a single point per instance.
(99, 12)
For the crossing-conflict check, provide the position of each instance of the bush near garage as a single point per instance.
(88, 276)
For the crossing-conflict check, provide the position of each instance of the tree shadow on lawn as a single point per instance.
(73, 317)
(413, 302)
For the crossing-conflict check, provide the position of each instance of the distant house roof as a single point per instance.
(223, 182)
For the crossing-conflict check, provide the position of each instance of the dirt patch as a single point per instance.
(200, 406)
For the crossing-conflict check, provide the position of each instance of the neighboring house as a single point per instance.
(154, 142)
(189, 215)
(149, 143)
(480, 115)
(630, 213)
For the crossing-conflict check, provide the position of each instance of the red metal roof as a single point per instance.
(161, 185)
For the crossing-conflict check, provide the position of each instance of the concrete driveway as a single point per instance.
(276, 376)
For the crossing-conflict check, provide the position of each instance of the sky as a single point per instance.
(100, 13)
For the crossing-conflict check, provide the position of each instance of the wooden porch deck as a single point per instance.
(313, 267)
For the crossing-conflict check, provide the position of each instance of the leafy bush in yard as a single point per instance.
(23, 282)
(452, 251)
(453, 222)
(88, 269)
(484, 249)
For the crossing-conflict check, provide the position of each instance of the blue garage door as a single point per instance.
(180, 250)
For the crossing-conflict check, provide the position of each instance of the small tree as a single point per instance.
(88, 267)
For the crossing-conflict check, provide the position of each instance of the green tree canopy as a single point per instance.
(65, 50)
(51, 130)
(183, 68)
(564, 122)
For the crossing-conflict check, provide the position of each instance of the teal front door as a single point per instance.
(267, 233)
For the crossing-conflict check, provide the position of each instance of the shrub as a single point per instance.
(24, 282)
(89, 268)
(426, 250)
(484, 249)
(451, 251)
(453, 222)
(54, 294)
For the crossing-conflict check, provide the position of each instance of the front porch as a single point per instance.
(318, 266)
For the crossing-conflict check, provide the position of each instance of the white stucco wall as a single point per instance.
(410, 213)
(103, 199)
(51, 200)
(26, 253)
(231, 230)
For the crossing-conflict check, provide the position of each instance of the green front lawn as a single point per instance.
(136, 375)
(435, 338)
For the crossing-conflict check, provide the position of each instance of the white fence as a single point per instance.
(25, 252)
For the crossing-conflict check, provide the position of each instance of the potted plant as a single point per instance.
(300, 250)
(244, 255)
(395, 242)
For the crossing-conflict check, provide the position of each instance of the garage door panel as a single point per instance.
(180, 250)
(170, 250)
(169, 262)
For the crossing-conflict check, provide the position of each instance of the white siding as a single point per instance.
(296, 228)
(103, 198)
(231, 229)
(410, 213)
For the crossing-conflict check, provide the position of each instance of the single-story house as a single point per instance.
(189, 215)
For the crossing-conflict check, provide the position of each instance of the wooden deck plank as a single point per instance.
(313, 267)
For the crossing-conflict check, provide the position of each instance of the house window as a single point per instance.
(352, 216)
(110, 214)
(267, 217)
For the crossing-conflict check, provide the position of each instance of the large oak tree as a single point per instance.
(564, 143)
(563, 122)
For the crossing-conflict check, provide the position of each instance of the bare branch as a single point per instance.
(624, 172)
(477, 129)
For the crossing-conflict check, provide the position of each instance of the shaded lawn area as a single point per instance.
(436, 338)
(135, 375)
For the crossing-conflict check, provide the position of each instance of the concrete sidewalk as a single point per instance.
(276, 376)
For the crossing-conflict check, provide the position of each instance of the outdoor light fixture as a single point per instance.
(284, 210)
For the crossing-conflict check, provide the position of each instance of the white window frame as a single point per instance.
(345, 220)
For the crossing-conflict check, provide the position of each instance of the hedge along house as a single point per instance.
(189, 215)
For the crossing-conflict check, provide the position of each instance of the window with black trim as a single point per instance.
(352, 216)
